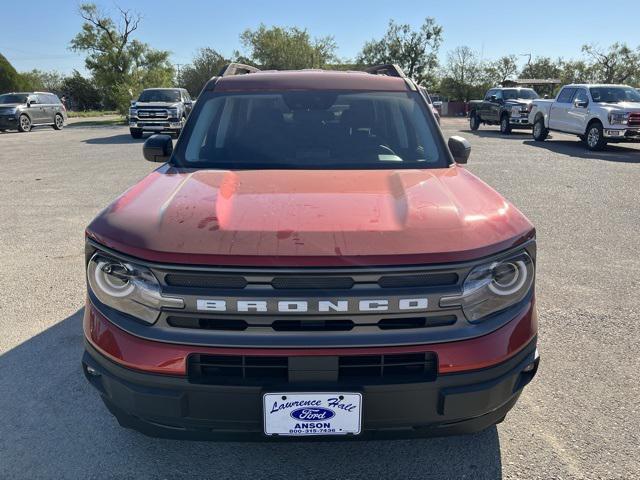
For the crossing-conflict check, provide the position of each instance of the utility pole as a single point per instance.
(178, 76)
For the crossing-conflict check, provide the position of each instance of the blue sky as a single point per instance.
(36, 34)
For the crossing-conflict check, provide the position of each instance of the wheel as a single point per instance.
(58, 123)
(135, 132)
(595, 137)
(540, 132)
(24, 124)
(505, 126)
(474, 121)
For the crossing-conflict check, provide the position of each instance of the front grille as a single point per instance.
(250, 370)
(153, 114)
(310, 281)
(308, 324)
(205, 281)
(634, 119)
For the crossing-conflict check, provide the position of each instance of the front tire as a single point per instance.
(135, 133)
(24, 124)
(58, 122)
(474, 121)
(505, 126)
(595, 137)
(540, 132)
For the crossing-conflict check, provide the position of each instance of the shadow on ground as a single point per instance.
(55, 426)
(575, 148)
(514, 135)
(114, 140)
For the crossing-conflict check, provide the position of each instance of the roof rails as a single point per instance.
(389, 69)
(237, 69)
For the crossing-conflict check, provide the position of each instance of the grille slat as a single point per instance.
(247, 370)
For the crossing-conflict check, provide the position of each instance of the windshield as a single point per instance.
(311, 130)
(13, 98)
(519, 94)
(160, 96)
(614, 94)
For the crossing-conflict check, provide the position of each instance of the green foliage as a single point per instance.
(43, 81)
(10, 80)
(416, 51)
(121, 66)
(504, 68)
(616, 64)
(81, 93)
(286, 48)
(542, 68)
(464, 75)
(206, 64)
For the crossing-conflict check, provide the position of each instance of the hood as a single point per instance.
(520, 101)
(622, 106)
(310, 217)
(11, 105)
(156, 104)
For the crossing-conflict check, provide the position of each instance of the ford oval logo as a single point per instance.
(315, 413)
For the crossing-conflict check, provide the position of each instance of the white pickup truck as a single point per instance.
(598, 114)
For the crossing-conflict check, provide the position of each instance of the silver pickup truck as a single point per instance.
(598, 114)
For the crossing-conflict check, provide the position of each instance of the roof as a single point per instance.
(534, 81)
(311, 80)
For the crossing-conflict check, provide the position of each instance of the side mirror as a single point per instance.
(460, 148)
(493, 98)
(546, 96)
(158, 148)
(30, 102)
(581, 103)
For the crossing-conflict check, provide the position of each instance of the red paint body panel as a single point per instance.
(310, 217)
(171, 359)
(310, 80)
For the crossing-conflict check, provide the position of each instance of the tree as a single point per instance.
(463, 74)
(81, 93)
(416, 51)
(502, 69)
(283, 48)
(39, 80)
(10, 80)
(542, 68)
(574, 71)
(617, 64)
(121, 66)
(206, 64)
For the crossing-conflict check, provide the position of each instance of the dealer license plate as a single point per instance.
(308, 413)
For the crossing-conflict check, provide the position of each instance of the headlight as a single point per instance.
(173, 112)
(494, 286)
(133, 112)
(619, 118)
(129, 288)
(8, 111)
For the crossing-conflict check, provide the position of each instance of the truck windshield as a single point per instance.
(614, 94)
(310, 130)
(159, 96)
(13, 98)
(519, 94)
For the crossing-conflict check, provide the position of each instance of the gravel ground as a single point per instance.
(580, 418)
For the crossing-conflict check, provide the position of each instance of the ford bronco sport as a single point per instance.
(310, 259)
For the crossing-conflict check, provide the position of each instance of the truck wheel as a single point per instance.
(24, 124)
(474, 121)
(540, 132)
(505, 126)
(595, 137)
(58, 122)
(135, 132)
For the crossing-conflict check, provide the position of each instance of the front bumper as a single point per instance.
(168, 406)
(147, 384)
(156, 126)
(631, 134)
(521, 121)
(8, 121)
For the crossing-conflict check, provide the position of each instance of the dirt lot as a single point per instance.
(579, 419)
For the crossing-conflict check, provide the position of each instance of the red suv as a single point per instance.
(311, 259)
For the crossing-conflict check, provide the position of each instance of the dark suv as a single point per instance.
(25, 110)
(159, 110)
